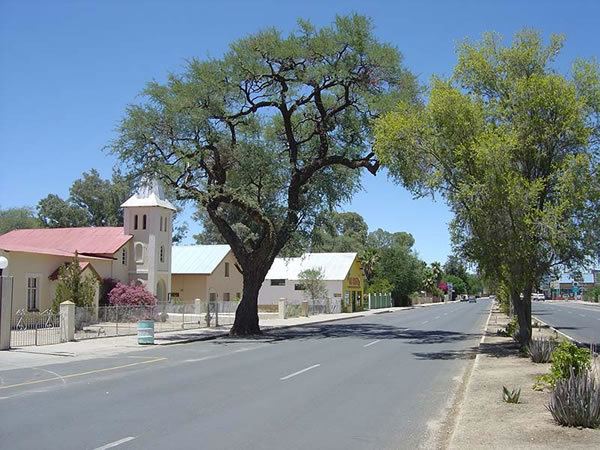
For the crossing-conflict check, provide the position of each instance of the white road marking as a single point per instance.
(287, 377)
(581, 315)
(437, 317)
(114, 444)
(371, 343)
(423, 323)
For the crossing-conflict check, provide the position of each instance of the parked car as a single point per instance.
(472, 299)
(538, 297)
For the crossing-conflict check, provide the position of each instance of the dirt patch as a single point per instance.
(486, 421)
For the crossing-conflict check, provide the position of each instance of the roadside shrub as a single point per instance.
(540, 350)
(131, 295)
(511, 327)
(575, 401)
(567, 359)
(511, 396)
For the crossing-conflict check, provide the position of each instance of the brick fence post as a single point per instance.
(67, 321)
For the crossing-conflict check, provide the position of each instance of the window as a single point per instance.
(226, 297)
(144, 222)
(161, 223)
(299, 287)
(162, 253)
(139, 252)
(238, 296)
(135, 222)
(212, 297)
(124, 256)
(33, 292)
(277, 282)
(166, 224)
(227, 269)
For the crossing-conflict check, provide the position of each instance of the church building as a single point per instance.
(140, 251)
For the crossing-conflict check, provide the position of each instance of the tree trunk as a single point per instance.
(246, 314)
(522, 308)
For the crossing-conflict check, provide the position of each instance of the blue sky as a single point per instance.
(69, 68)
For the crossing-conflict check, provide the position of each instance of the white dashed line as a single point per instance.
(115, 443)
(371, 343)
(287, 377)
(423, 323)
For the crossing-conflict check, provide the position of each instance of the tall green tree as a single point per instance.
(271, 133)
(512, 146)
(339, 232)
(17, 218)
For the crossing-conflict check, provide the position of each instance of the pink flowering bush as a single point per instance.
(131, 295)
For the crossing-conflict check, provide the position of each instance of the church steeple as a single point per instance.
(148, 216)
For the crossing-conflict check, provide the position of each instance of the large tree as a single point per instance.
(339, 232)
(271, 133)
(17, 218)
(513, 147)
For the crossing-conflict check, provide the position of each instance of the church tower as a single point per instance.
(148, 217)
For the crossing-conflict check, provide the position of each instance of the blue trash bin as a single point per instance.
(145, 331)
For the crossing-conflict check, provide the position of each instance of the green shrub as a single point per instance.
(567, 359)
(575, 401)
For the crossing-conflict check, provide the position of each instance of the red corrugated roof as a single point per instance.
(98, 241)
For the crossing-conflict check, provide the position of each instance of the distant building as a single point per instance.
(206, 272)
(569, 286)
(343, 278)
(139, 251)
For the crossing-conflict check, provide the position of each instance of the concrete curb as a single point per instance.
(558, 332)
(466, 381)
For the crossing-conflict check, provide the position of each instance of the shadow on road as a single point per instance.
(364, 331)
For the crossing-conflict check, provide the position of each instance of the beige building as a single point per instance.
(138, 251)
(205, 272)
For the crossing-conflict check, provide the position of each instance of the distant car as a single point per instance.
(538, 297)
(464, 298)
(472, 300)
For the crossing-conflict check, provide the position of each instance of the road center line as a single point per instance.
(299, 372)
(437, 317)
(423, 323)
(114, 444)
(371, 343)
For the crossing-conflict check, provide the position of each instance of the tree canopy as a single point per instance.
(513, 147)
(17, 218)
(269, 135)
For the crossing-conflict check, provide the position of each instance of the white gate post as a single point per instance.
(5, 315)
(67, 321)
(305, 308)
(281, 308)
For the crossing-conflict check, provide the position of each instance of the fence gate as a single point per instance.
(34, 328)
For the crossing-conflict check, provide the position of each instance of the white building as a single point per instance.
(342, 275)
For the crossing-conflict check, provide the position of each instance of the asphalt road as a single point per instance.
(373, 382)
(578, 321)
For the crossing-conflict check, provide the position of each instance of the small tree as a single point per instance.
(74, 286)
(131, 295)
(314, 285)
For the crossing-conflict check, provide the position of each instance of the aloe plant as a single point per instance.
(575, 401)
(511, 396)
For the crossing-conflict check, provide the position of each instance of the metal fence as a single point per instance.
(35, 328)
(377, 301)
(106, 321)
(325, 306)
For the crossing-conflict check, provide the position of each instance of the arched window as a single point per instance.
(162, 253)
(139, 252)
(135, 222)
(144, 222)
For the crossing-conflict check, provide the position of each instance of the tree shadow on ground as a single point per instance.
(363, 331)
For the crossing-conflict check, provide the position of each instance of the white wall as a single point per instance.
(269, 295)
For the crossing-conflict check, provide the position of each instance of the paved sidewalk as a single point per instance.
(110, 346)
